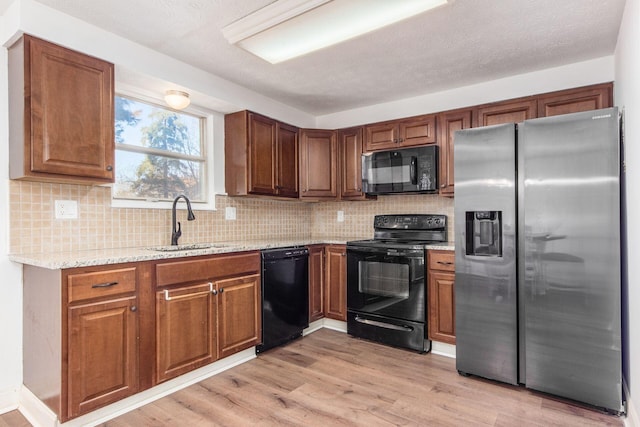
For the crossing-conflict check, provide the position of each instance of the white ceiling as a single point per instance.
(463, 43)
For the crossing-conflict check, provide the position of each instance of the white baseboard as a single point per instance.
(633, 418)
(313, 326)
(40, 415)
(443, 349)
(8, 401)
(336, 325)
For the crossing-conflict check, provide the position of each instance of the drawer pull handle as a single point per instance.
(104, 285)
(444, 263)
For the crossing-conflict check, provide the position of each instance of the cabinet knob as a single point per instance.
(401, 139)
(109, 168)
(221, 290)
(134, 308)
(442, 185)
(214, 291)
(395, 141)
(343, 254)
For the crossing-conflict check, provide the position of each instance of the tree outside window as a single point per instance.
(159, 152)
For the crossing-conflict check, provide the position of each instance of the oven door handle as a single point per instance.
(383, 324)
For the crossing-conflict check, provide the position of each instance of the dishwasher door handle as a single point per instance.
(383, 324)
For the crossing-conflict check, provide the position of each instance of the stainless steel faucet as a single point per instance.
(176, 232)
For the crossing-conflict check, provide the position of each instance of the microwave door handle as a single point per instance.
(414, 170)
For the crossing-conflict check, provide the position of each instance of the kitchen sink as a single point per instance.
(188, 247)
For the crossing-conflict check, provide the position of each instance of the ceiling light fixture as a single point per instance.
(287, 29)
(177, 99)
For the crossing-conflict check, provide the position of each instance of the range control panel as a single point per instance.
(410, 222)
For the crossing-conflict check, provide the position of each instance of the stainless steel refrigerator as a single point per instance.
(537, 238)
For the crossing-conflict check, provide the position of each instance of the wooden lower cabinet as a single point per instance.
(335, 302)
(239, 314)
(81, 336)
(441, 296)
(316, 282)
(185, 330)
(215, 314)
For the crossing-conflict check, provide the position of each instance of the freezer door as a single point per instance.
(485, 224)
(570, 256)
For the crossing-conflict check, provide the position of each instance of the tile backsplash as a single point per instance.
(34, 229)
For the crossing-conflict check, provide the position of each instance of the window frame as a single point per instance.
(207, 148)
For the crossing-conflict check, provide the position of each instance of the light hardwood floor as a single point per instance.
(331, 379)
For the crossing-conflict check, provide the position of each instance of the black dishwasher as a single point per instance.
(285, 295)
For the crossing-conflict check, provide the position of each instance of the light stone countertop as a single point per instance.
(87, 258)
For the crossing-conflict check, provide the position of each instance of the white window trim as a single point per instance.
(208, 146)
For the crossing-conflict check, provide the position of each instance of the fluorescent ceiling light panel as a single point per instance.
(290, 28)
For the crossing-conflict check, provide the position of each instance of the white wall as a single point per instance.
(10, 273)
(627, 69)
(598, 70)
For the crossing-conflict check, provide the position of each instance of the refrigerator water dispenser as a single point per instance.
(484, 233)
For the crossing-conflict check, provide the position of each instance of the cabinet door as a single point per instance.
(336, 282)
(70, 114)
(185, 330)
(239, 314)
(576, 100)
(316, 282)
(318, 164)
(102, 354)
(381, 136)
(448, 124)
(417, 131)
(350, 146)
(441, 307)
(287, 170)
(262, 155)
(505, 112)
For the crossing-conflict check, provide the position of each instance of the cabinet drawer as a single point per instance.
(98, 284)
(442, 260)
(216, 267)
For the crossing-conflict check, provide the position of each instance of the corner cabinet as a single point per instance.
(318, 164)
(261, 156)
(61, 114)
(206, 309)
(335, 302)
(316, 282)
(441, 296)
(81, 340)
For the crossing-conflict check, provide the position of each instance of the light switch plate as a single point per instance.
(230, 213)
(66, 209)
(340, 217)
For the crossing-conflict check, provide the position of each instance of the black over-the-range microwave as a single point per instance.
(409, 170)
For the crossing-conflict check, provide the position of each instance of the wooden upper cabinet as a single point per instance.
(448, 124)
(318, 164)
(350, 153)
(576, 100)
(498, 113)
(61, 114)
(261, 156)
(419, 130)
(287, 156)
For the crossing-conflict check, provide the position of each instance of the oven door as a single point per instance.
(387, 282)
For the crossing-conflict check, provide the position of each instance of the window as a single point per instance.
(160, 154)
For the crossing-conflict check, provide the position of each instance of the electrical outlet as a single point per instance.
(66, 209)
(230, 213)
(340, 217)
